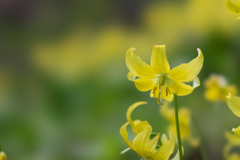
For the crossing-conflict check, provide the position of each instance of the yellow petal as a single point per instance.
(236, 131)
(131, 76)
(179, 88)
(164, 152)
(139, 126)
(124, 134)
(143, 84)
(233, 6)
(153, 143)
(129, 112)
(159, 60)
(141, 142)
(137, 66)
(3, 156)
(233, 103)
(188, 71)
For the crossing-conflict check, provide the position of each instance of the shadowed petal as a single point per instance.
(164, 152)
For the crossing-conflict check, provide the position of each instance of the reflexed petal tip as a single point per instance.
(137, 66)
(187, 72)
(129, 112)
(233, 103)
(236, 131)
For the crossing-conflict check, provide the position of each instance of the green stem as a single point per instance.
(203, 153)
(177, 128)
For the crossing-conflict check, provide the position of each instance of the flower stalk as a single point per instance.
(178, 128)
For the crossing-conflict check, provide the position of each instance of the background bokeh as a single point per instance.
(63, 86)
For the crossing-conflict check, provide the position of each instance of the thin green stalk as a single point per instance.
(177, 128)
(203, 152)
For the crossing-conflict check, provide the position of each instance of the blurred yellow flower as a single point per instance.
(184, 123)
(3, 156)
(146, 147)
(232, 141)
(158, 77)
(233, 6)
(217, 88)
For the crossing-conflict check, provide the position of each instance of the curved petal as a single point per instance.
(129, 112)
(164, 152)
(124, 134)
(153, 143)
(139, 126)
(143, 84)
(159, 60)
(233, 103)
(137, 66)
(141, 142)
(236, 131)
(233, 6)
(188, 71)
(179, 88)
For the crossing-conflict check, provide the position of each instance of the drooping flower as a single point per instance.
(233, 6)
(142, 144)
(146, 147)
(228, 150)
(3, 156)
(233, 103)
(184, 123)
(158, 77)
(217, 88)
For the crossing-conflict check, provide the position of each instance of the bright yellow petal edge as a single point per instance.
(3, 156)
(137, 125)
(233, 103)
(187, 72)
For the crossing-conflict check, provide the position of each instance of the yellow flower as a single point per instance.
(158, 77)
(3, 156)
(233, 6)
(217, 88)
(184, 123)
(142, 144)
(232, 142)
(146, 147)
(233, 103)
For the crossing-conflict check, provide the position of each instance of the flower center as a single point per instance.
(161, 87)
